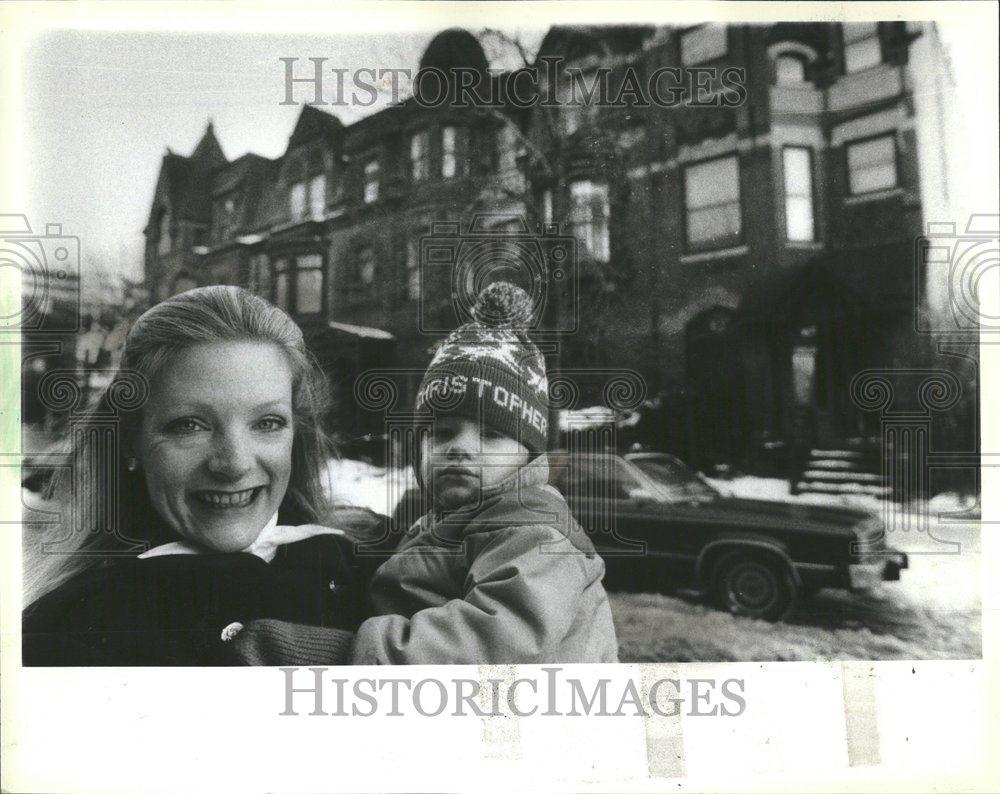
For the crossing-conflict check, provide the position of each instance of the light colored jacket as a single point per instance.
(512, 580)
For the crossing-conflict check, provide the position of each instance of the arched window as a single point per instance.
(789, 70)
(792, 60)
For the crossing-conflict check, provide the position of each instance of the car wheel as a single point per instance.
(756, 586)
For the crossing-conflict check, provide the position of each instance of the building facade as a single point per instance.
(746, 257)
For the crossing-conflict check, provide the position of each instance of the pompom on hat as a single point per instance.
(488, 369)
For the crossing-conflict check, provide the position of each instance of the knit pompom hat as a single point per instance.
(489, 370)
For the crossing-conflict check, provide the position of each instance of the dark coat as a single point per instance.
(171, 610)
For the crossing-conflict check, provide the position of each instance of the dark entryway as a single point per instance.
(715, 426)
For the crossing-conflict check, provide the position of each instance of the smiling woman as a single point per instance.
(221, 515)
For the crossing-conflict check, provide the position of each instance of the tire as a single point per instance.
(754, 585)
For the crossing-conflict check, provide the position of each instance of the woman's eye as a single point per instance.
(185, 425)
(493, 435)
(271, 423)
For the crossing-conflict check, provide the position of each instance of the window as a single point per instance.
(371, 181)
(799, 224)
(453, 159)
(225, 218)
(260, 276)
(366, 266)
(590, 212)
(297, 201)
(413, 269)
(871, 165)
(420, 155)
(862, 48)
(281, 292)
(317, 196)
(163, 243)
(712, 199)
(704, 43)
(789, 70)
(309, 284)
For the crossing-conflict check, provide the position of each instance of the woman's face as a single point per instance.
(215, 441)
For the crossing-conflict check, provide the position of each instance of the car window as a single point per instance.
(594, 477)
(675, 479)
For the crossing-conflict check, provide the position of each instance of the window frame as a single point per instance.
(592, 222)
(811, 162)
(298, 200)
(420, 167)
(298, 270)
(316, 205)
(281, 273)
(371, 179)
(718, 242)
(358, 280)
(847, 43)
(457, 154)
(848, 145)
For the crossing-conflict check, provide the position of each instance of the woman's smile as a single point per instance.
(228, 500)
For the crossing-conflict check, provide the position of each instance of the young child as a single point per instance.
(497, 571)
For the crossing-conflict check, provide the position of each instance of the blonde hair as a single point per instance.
(204, 315)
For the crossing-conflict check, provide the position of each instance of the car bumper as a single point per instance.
(884, 567)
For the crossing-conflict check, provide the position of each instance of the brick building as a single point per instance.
(746, 260)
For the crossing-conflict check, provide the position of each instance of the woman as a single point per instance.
(220, 482)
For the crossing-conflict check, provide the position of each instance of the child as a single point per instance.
(497, 571)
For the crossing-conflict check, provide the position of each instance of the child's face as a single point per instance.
(462, 458)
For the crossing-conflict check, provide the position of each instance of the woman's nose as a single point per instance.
(232, 456)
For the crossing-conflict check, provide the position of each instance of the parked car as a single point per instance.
(660, 525)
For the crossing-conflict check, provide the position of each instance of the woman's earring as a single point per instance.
(131, 464)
